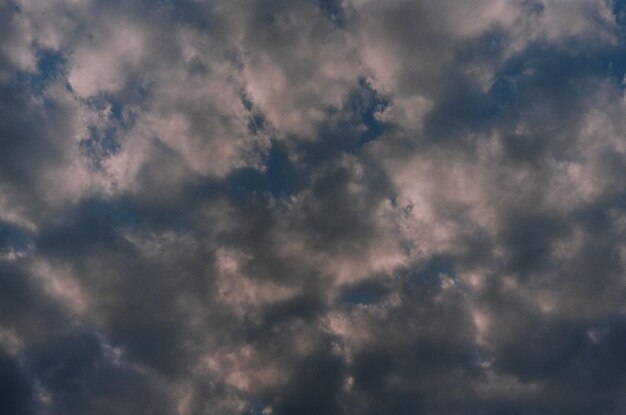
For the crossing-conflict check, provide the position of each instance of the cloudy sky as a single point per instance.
(312, 207)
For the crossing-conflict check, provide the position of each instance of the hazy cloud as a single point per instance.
(297, 207)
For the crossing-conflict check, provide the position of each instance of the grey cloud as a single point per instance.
(326, 207)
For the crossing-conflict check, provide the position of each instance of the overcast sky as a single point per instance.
(320, 207)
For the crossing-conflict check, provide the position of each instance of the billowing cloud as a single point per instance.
(312, 207)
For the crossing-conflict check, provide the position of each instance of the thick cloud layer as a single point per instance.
(312, 207)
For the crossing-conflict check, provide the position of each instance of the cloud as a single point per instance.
(337, 207)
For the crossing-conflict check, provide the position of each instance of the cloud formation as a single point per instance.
(312, 207)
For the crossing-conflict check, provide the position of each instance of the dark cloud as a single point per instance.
(330, 207)
(17, 390)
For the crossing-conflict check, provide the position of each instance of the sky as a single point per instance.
(320, 207)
